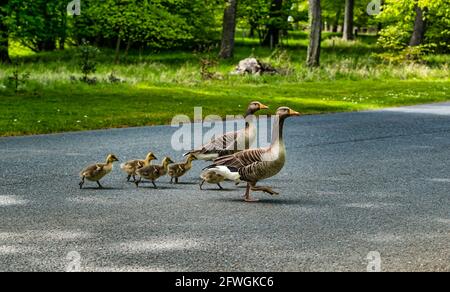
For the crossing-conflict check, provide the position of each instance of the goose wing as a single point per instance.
(223, 145)
(241, 159)
(92, 170)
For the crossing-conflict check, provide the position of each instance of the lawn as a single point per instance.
(160, 85)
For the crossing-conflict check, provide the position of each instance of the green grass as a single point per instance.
(161, 85)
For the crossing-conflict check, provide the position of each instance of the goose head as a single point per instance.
(151, 157)
(191, 157)
(285, 112)
(167, 161)
(112, 158)
(255, 106)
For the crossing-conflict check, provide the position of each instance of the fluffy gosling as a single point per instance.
(180, 169)
(130, 167)
(98, 171)
(153, 172)
(219, 174)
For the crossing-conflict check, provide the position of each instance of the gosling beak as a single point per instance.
(293, 113)
(154, 157)
(263, 106)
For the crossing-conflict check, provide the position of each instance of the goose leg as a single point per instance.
(99, 185)
(82, 182)
(154, 185)
(171, 180)
(201, 185)
(220, 187)
(248, 197)
(129, 178)
(176, 180)
(134, 178)
(267, 190)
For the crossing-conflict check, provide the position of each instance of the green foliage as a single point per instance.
(157, 24)
(38, 24)
(257, 14)
(88, 63)
(398, 21)
(17, 79)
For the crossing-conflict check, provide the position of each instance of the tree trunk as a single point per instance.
(420, 26)
(229, 29)
(348, 21)
(4, 41)
(315, 37)
(336, 20)
(116, 58)
(272, 38)
(127, 48)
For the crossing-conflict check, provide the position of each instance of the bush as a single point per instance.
(88, 64)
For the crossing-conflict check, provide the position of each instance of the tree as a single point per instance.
(419, 27)
(229, 29)
(315, 37)
(38, 24)
(348, 20)
(404, 25)
(275, 22)
(4, 34)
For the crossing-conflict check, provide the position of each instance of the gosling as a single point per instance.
(98, 171)
(180, 169)
(153, 172)
(130, 167)
(219, 174)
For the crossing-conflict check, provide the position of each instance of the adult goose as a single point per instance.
(230, 143)
(257, 164)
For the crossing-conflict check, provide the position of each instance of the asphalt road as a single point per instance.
(354, 183)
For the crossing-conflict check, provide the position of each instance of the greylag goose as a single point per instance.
(230, 142)
(98, 171)
(179, 169)
(130, 167)
(257, 164)
(153, 172)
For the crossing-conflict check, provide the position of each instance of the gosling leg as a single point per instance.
(82, 182)
(220, 187)
(134, 178)
(248, 197)
(129, 178)
(154, 185)
(176, 180)
(171, 180)
(99, 185)
(137, 182)
(201, 185)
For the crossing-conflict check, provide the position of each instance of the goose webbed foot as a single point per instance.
(267, 190)
(137, 182)
(248, 197)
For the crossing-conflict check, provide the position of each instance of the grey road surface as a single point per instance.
(354, 183)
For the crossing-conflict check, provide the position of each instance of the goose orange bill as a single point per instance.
(293, 113)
